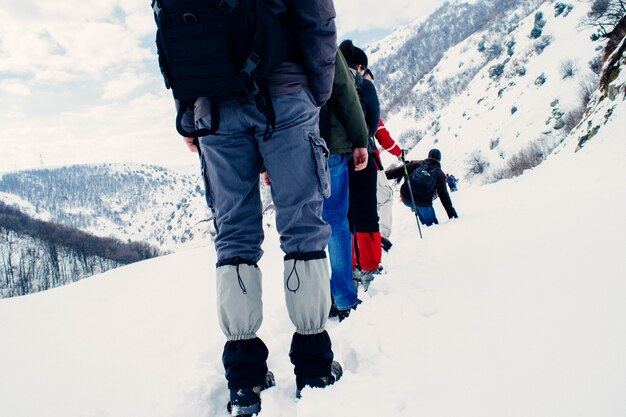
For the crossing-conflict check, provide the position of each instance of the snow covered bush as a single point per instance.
(568, 69)
(495, 71)
(562, 9)
(527, 158)
(535, 33)
(476, 164)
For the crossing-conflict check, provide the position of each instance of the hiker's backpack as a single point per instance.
(358, 82)
(216, 49)
(423, 179)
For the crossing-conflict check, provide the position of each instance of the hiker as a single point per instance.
(384, 192)
(343, 128)
(362, 213)
(426, 187)
(452, 181)
(273, 123)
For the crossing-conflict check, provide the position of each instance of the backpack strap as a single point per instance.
(263, 102)
(188, 105)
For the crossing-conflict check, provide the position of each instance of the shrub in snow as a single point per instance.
(513, 110)
(409, 138)
(495, 71)
(605, 15)
(542, 43)
(540, 80)
(596, 64)
(476, 164)
(562, 8)
(510, 47)
(529, 157)
(568, 69)
(573, 117)
(535, 33)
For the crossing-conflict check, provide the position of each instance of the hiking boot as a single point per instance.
(342, 314)
(246, 402)
(321, 382)
(334, 312)
(362, 277)
(385, 243)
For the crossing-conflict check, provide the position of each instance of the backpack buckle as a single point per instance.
(226, 6)
(250, 65)
(156, 8)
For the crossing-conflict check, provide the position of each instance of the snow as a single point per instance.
(514, 309)
(500, 116)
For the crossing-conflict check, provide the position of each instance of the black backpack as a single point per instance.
(423, 179)
(358, 82)
(217, 49)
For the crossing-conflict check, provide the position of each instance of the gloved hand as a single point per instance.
(403, 153)
(453, 215)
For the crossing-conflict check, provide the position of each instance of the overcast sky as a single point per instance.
(85, 69)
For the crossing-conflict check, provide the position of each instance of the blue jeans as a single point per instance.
(335, 213)
(426, 214)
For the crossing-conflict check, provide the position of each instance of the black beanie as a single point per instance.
(435, 154)
(354, 56)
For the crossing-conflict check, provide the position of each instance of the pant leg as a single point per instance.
(427, 215)
(384, 200)
(232, 164)
(231, 167)
(363, 216)
(340, 245)
(295, 158)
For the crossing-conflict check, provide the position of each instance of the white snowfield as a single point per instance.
(517, 308)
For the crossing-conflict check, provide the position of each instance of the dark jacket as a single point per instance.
(341, 120)
(441, 189)
(313, 29)
(369, 103)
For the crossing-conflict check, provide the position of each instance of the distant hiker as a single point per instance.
(343, 128)
(265, 111)
(452, 181)
(363, 215)
(384, 192)
(427, 182)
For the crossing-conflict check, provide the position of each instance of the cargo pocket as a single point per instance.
(208, 194)
(320, 153)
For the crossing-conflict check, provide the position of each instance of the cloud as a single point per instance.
(91, 64)
(14, 87)
(61, 41)
(124, 84)
(372, 15)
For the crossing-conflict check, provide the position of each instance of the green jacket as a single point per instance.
(342, 122)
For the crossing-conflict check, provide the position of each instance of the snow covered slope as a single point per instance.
(519, 81)
(127, 201)
(514, 309)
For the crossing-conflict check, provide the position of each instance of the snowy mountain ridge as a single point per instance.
(515, 86)
(126, 201)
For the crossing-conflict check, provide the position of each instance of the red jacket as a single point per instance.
(386, 141)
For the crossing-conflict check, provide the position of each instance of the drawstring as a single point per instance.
(241, 284)
(297, 276)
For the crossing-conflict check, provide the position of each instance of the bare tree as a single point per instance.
(605, 15)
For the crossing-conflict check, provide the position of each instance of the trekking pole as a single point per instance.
(408, 184)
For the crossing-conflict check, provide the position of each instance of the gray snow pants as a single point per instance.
(295, 159)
